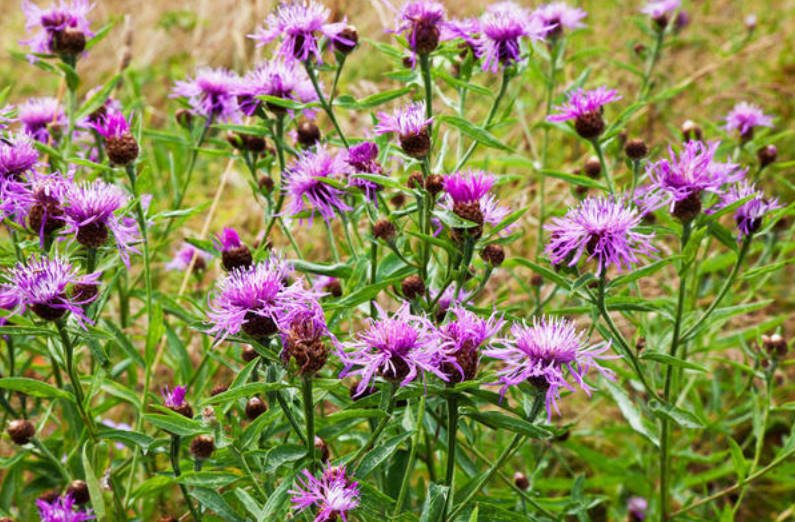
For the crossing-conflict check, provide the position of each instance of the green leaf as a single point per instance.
(176, 424)
(380, 453)
(208, 479)
(497, 420)
(340, 270)
(358, 413)
(664, 358)
(245, 390)
(546, 273)
(35, 388)
(644, 271)
(286, 103)
(94, 491)
(575, 179)
(275, 505)
(283, 454)
(684, 418)
(130, 438)
(433, 508)
(374, 100)
(98, 99)
(475, 132)
(630, 412)
(738, 459)
(213, 501)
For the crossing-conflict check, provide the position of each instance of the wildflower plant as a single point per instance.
(468, 267)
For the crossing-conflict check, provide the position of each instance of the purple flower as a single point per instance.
(55, 27)
(304, 182)
(300, 24)
(48, 287)
(411, 125)
(228, 240)
(750, 214)
(175, 398)
(604, 229)
(467, 29)
(659, 9)
(182, 259)
(744, 117)
(112, 125)
(62, 509)
(17, 156)
(38, 115)
(468, 187)
(469, 197)
(37, 201)
(211, 93)
(541, 354)
(303, 331)
(681, 180)
(422, 21)
(277, 78)
(255, 299)
(91, 212)
(396, 347)
(560, 16)
(462, 340)
(637, 506)
(234, 254)
(332, 495)
(363, 159)
(503, 25)
(585, 108)
(449, 298)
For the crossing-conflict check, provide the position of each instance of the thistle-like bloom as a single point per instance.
(38, 115)
(585, 108)
(234, 254)
(304, 332)
(411, 125)
(278, 78)
(636, 507)
(173, 398)
(560, 16)
(17, 156)
(120, 144)
(422, 21)
(681, 179)
(462, 340)
(300, 23)
(49, 287)
(602, 228)
(61, 28)
(62, 509)
(111, 125)
(750, 214)
(37, 201)
(744, 117)
(255, 300)
(541, 353)
(469, 197)
(211, 93)
(660, 9)
(397, 347)
(332, 495)
(467, 29)
(503, 25)
(363, 159)
(92, 213)
(182, 259)
(304, 182)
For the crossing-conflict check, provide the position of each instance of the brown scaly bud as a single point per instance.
(46, 217)
(384, 229)
(48, 311)
(184, 118)
(425, 36)
(434, 184)
(639, 49)
(493, 254)
(21, 431)
(236, 257)
(266, 184)
(640, 344)
(249, 142)
(305, 345)
(322, 449)
(413, 287)
(691, 131)
(767, 155)
(398, 200)
(775, 345)
(416, 145)
(92, 235)
(415, 181)
(248, 353)
(202, 447)
(467, 358)
(78, 489)
(258, 326)
(592, 167)
(217, 390)
(308, 133)
(255, 407)
(49, 496)
(636, 149)
(520, 481)
(348, 33)
(69, 41)
(184, 409)
(122, 150)
(660, 21)
(470, 211)
(590, 125)
(687, 209)
(536, 280)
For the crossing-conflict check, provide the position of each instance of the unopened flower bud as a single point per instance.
(691, 131)
(416, 145)
(434, 184)
(184, 118)
(521, 481)
(493, 254)
(122, 150)
(536, 280)
(636, 149)
(248, 353)
(202, 447)
(348, 33)
(415, 181)
(775, 344)
(217, 390)
(640, 344)
(590, 125)
(413, 287)
(21, 431)
(592, 167)
(78, 489)
(266, 184)
(255, 407)
(322, 449)
(687, 209)
(308, 133)
(333, 287)
(384, 229)
(398, 200)
(69, 41)
(425, 37)
(767, 155)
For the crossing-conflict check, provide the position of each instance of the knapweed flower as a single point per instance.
(585, 108)
(278, 78)
(62, 509)
(300, 24)
(304, 332)
(327, 285)
(560, 16)
(40, 115)
(467, 29)
(451, 297)
(750, 214)
(17, 156)
(120, 144)
(660, 11)
(636, 508)
(542, 353)
(255, 299)
(602, 228)
(469, 197)
(332, 495)
(422, 21)
(61, 28)
(744, 117)
(182, 259)
(681, 179)
(211, 93)
(304, 182)
(502, 26)
(175, 400)
(397, 347)
(92, 214)
(234, 254)
(48, 286)
(363, 159)
(411, 125)
(37, 201)
(463, 338)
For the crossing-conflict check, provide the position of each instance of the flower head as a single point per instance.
(278, 78)
(304, 332)
(560, 16)
(602, 228)
(46, 286)
(585, 108)
(469, 197)
(37, 201)
(62, 509)
(502, 26)
(61, 28)
(332, 495)
(398, 347)
(211, 93)
(304, 182)
(363, 159)
(92, 212)
(120, 144)
(411, 125)
(542, 353)
(17, 156)
(660, 9)
(182, 259)
(173, 398)
(234, 254)
(637, 506)
(744, 117)
(300, 23)
(750, 214)
(112, 125)
(38, 115)
(463, 338)
(422, 21)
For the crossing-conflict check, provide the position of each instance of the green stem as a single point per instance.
(49, 456)
(452, 431)
(542, 180)
(354, 462)
(174, 455)
(404, 485)
(289, 415)
(91, 260)
(600, 154)
(309, 417)
(326, 107)
(74, 378)
(191, 167)
(655, 55)
(425, 69)
(278, 141)
(340, 65)
(373, 273)
(71, 107)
